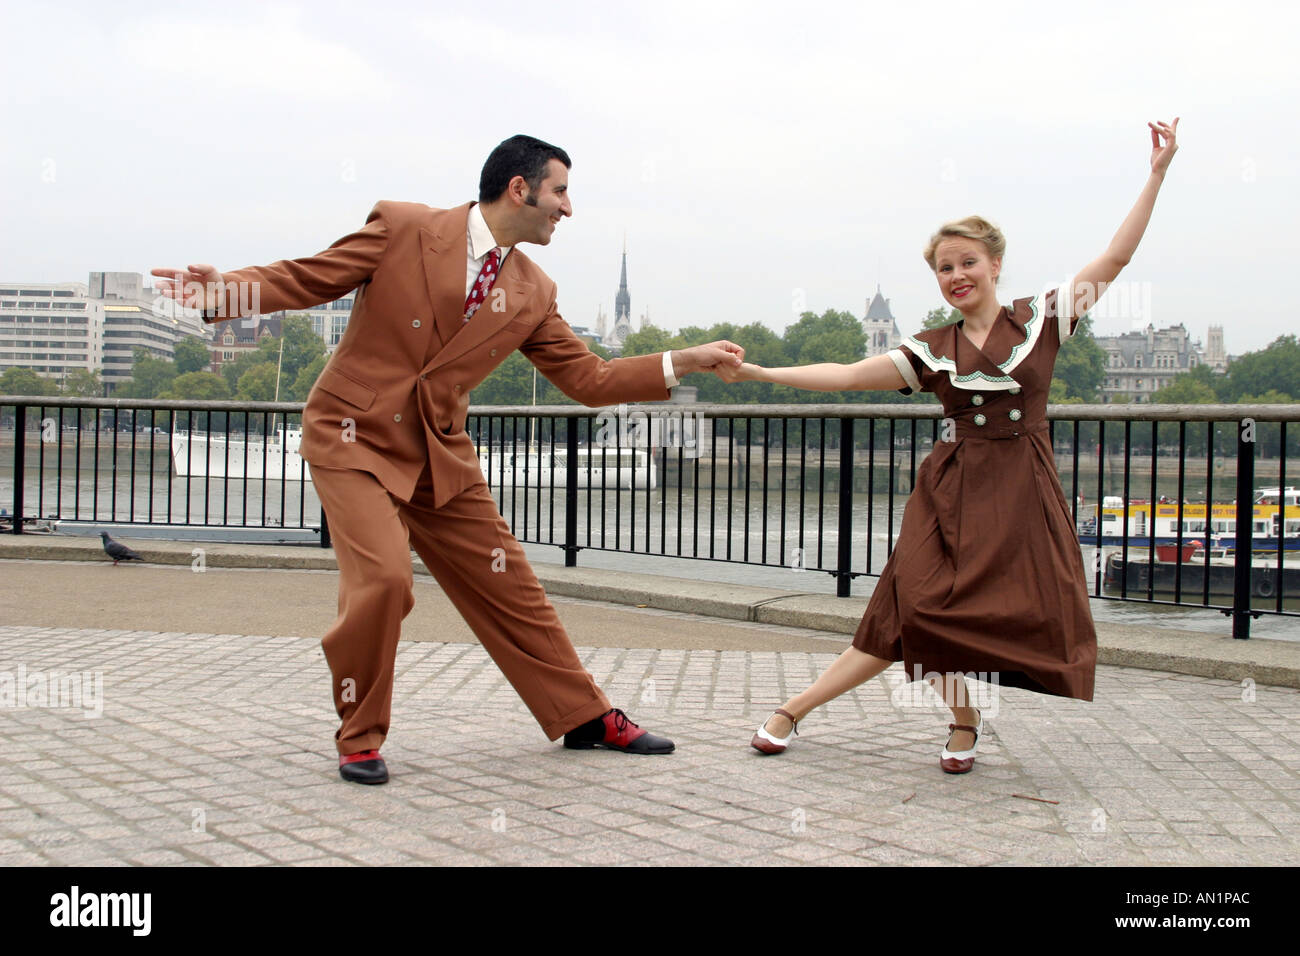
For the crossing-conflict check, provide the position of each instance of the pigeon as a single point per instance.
(117, 551)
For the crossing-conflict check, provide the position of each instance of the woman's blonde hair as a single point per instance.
(972, 227)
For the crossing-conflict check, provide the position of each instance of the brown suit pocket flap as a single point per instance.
(350, 390)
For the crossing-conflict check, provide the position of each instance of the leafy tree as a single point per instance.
(1276, 367)
(1081, 364)
(938, 318)
(305, 379)
(1185, 390)
(23, 381)
(302, 347)
(257, 384)
(832, 336)
(267, 352)
(191, 355)
(83, 383)
(651, 339)
(197, 386)
(149, 376)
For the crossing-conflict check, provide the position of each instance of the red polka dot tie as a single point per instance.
(479, 290)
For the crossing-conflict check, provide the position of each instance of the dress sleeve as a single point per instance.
(910, 367)
(1060, 305)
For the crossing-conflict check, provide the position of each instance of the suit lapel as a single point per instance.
(504, 302)
(443, 249)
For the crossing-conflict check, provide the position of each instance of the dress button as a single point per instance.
(397, 417)
(1014, 414)
(455, 388)
(980, 419)
(977, 400)
(493, 352)
(415, 324)
(1013, 391)
(423, 376)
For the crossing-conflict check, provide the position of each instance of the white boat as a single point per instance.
(597, 467)
(206, 455)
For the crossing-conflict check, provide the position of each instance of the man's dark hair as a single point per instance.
(517, 156)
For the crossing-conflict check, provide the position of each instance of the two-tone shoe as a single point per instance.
(364, 767)
(766, 743)
(614, 731)
(961, 761)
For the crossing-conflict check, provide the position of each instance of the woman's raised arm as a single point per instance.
(1090, 280)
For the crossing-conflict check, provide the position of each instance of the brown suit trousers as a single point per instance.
(469, 549)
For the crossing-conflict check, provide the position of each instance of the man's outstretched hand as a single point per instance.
(707, 358)
(198, 287)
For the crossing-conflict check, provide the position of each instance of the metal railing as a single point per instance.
(816, 488)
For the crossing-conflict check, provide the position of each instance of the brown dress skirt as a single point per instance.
(986, 577)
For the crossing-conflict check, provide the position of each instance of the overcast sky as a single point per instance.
(761, 159)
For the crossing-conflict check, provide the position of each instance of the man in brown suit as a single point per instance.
(442, 298)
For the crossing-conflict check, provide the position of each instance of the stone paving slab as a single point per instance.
(217, 749)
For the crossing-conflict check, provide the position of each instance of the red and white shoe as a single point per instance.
(766, 743)
(961, 761)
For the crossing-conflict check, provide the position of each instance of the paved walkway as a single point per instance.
(217, 748)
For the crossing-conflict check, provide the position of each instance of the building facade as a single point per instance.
(880, 326)
(136, 317)
(1140, 363)
(51, 329)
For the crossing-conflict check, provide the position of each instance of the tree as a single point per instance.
(649, 340)
(938, 318)
(267, 351)
(1080, 364)
(197, 386)
(1276, 367)
(1185, 390)
(191, 355)
(149, 376)
(305, 379)
(83, 383)
(23, 381)
(302, 347)
(831, 336)
(257, 384)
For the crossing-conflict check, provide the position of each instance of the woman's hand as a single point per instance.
(1163, 153)
(745, 372)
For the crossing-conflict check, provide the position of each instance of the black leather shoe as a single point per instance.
(613, 731)
(364, 767)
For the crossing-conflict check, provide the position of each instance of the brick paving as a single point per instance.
(217, 748)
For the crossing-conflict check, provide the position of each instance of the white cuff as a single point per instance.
(670, 379)
(1065, 307)
(905, 369)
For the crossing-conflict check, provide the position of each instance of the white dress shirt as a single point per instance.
(482, 242)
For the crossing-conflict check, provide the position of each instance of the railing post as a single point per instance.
(20, 453)
(571, 492)
(843, 575)
(1243, 560)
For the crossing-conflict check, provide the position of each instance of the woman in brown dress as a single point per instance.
(986, 576)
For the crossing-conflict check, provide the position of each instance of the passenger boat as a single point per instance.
(506, 466)
(203, 454)
(1275, 515)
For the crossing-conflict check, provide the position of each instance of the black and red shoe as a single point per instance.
(364, 767)
(614, 731)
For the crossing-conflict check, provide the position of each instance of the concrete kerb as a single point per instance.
(1181, 652)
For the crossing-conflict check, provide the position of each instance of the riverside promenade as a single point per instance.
(212, 743)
